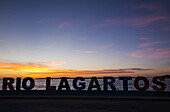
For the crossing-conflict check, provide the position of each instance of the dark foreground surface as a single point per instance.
(82, 105)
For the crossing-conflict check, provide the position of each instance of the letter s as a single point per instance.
(162, 84)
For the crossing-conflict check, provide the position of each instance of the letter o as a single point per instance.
(146, 83)
(24, 83)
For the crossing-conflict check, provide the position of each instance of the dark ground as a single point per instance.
(82, 105)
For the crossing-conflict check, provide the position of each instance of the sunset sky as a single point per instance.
(58, 38)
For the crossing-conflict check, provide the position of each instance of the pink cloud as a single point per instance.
(82, 38)
(137, 21)
(152, 43)
(167, 28)
(106, 46)
(65, 24)
(152, 53)
(149, 19)
(99, 25)
(159, 10)
(84, 51)
(1, 41)
(143, 38)
(48, 47)
(154, 6)
(46, 21)
(159, 13)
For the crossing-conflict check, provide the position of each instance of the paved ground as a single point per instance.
(82, 105)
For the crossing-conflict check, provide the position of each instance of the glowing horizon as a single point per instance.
(41, 71)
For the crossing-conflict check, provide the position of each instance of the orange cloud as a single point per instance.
(52, 70)
(30, 67)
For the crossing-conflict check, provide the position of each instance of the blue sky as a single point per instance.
(86, 34)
